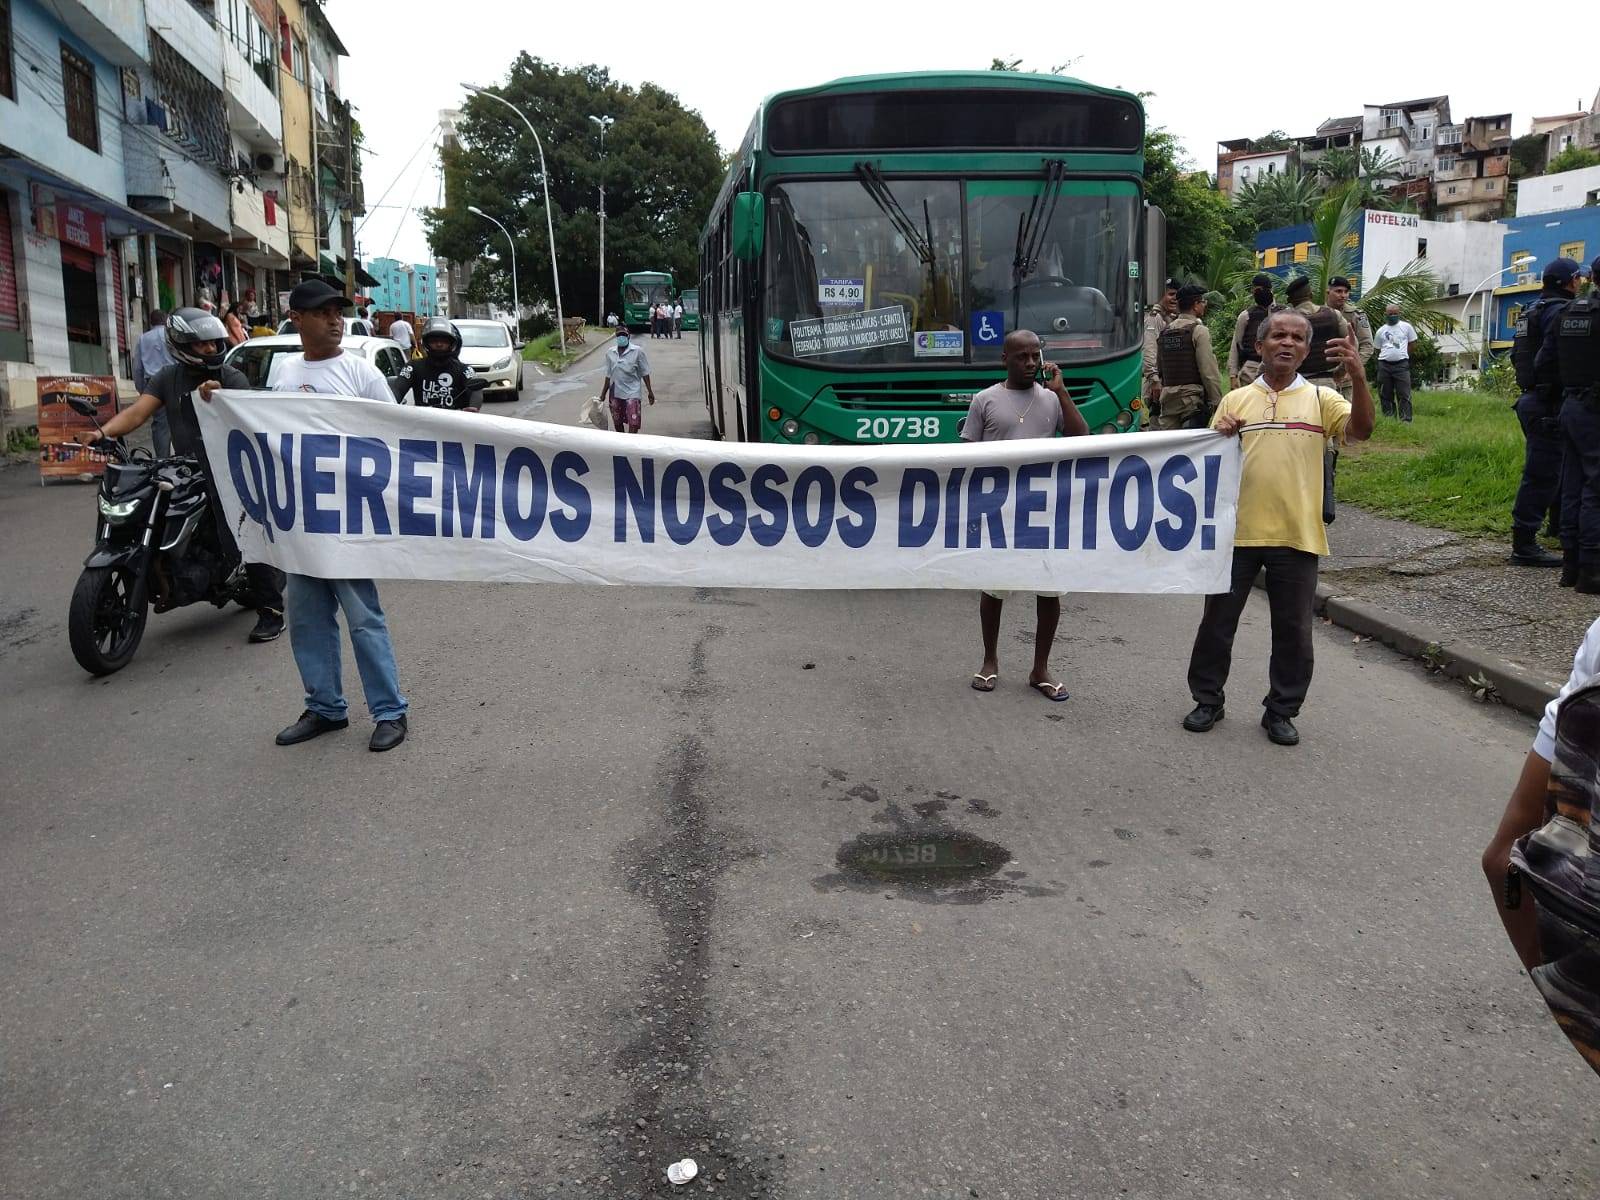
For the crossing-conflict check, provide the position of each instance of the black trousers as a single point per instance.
(1580, 475)
(1541, 467)
(1291, 593)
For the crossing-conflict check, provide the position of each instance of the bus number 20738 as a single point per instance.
(883, 428)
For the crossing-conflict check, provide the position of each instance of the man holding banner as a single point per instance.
(1285, 424)
(1021, 408)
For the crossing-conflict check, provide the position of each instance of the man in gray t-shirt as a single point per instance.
(1021, 408)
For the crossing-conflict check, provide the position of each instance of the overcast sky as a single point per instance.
(1211, 68)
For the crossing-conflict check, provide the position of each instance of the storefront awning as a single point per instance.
(335, 267)
(17, 170)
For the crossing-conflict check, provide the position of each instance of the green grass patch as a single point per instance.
(1455, 467)
(22, 441)
(542, 349)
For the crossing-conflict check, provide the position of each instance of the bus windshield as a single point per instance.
(645, 289)
(691, 300)
(868, 271)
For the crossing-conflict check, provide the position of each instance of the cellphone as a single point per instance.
(1044, 374)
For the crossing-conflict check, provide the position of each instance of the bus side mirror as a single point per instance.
(749, 225)
(1155, 255)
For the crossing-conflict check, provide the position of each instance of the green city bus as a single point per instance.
(640, 290)
(690, 299)
(877, 237)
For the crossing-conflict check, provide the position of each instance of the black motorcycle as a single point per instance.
(156, 547)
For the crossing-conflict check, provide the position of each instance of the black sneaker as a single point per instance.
(388, 734)
(310, 725)
(1527, 552)
(1203, 718)
(1280, 729)
(269, 625)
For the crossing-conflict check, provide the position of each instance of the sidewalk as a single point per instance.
(1411, 586)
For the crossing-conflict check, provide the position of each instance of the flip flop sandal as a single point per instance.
(1056, 692)
(984, 683)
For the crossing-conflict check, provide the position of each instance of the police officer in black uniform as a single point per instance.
(1576, 350)
(1538, 411)
(440, 379)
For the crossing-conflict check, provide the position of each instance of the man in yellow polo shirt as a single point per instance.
(1285, 424)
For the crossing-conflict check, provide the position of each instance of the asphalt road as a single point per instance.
(640, 887)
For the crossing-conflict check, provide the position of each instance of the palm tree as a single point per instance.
(1333, 252)
(1338, 164)
(1381, 167)
(1273, 201)
(1226, 270)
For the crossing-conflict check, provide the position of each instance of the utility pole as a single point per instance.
(605, 123)
(350, 201)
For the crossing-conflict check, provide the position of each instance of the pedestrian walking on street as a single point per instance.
(677, 320)
(150, 355)
(1576, 349)
(1021, 408)
(1285, 423)
(1244, 359)
(317, 310)
(402, 334)
(1191, 385)
(1538, 411)
(1339, 301)
(627, 368)
(1395, 340)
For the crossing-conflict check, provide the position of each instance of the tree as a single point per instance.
(1337, 165)
(1272, 201)
(1332, 252)
(661, 170)
(1573, 158)
(1528, 154)
(1197, 214)
(1276, 140)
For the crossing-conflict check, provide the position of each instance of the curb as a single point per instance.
(1517, 686)
(600, 345)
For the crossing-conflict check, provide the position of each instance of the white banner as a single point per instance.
(342, 488)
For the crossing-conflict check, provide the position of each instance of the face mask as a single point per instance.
(622, 343)
(1392, 319)
(1263, 296)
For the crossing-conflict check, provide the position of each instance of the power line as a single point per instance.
(426, 138)
(399, 225)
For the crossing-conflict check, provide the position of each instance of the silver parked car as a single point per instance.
(487, 348)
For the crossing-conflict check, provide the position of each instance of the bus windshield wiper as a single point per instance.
(872, 182)
(1031, 228)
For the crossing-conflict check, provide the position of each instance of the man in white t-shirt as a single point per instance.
(1525, 811)
(677, 321)
(1394, 340)
(317, 311)
(403, 335)
(1021, 407)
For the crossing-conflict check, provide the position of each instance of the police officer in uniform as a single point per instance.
(1339, 301)
(440, 379)
(1576, 348)
(1191, 385)
(1244, 357)
(1539, 413)
(1156, 320)
(1326, 324)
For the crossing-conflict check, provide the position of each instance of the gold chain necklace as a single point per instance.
(1033, 395)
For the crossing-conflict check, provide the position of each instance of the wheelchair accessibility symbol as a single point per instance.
(988, 328)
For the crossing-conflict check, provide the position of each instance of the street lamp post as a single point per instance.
(516, 306)
(549, 223)
(605, 123)
(1516, 264)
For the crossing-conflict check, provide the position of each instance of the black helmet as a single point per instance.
(189, 326)
(437, 326)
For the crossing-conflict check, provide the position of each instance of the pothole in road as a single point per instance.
(934, 858)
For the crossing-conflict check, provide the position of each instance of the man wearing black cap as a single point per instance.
(1244, 358)
(317, 311)
(1191, 386)
(1320, 367)
(1539, 407)
(1576, 348)
(1155, 321)
(1339, 301)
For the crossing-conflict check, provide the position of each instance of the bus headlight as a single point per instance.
(1108, 427)
(1124, 418)
(811, 439)
(789, 428)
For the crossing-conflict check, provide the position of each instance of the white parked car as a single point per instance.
(255, 357)
(487, 348)
(352, 325)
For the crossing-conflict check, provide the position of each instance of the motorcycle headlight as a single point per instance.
(504, 364)
(117, 510)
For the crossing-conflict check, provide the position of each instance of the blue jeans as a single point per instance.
(314, 635)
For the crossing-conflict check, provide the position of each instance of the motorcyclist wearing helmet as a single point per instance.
(439, 379)
(198, 340)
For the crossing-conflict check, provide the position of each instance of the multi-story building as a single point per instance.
(65, 226)
(1462, 255)
(338, 158)
(1556, 193)
(1532, 241)
(1472, 169)
(1404, 130)
(259, 230)
(298, 195)
(1336, 133)
(405, 287)
(1239, 163)
(453, 276)
(1581, 129)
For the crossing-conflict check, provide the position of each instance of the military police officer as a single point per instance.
(1156, 320)
(1576, 347)
(1320, 367)
(1244, 356)
(1539, 413)
(1339, 301)
(1191, 385)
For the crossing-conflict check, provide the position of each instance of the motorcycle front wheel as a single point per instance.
(106, 620)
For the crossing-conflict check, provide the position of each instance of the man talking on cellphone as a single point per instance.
(1022, 407)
